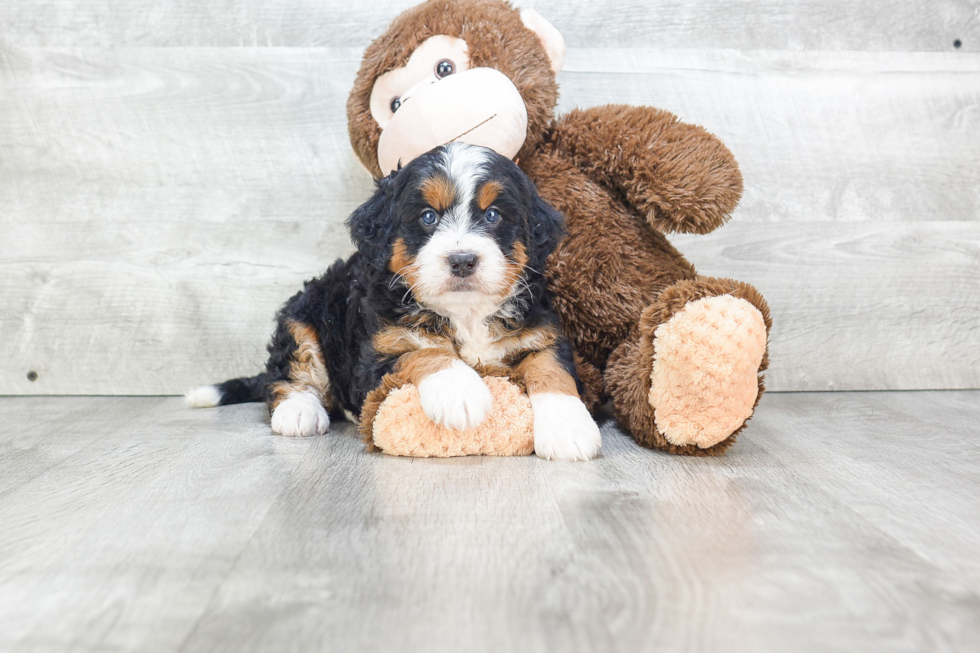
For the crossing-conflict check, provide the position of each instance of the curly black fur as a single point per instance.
(354, 299)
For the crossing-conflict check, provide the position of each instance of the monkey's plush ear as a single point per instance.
(551, 38)
(547, 228)
(371, 224)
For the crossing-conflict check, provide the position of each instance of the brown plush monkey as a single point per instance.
(679, 355)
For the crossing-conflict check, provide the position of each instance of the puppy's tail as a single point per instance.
(233, 391)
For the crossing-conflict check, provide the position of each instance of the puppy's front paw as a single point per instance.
(563, 428)
(299, 415)
(456, 397)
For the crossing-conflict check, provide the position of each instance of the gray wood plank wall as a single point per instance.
(171, 171)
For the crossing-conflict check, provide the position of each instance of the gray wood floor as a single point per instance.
(844, 521)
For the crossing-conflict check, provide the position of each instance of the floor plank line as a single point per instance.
(839, 522)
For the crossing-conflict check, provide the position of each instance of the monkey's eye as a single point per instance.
(445, 68)
(395, 103)
(492, 215)
(429, 217)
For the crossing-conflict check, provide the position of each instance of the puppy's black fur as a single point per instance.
(356, 299)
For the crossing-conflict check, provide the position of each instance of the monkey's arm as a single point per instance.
(679, 176)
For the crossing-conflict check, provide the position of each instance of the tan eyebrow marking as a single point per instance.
(439, 192)
(488, 194)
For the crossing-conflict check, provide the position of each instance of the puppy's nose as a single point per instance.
(463, 264)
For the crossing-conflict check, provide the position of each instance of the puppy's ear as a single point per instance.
(371, 224)
(547, 228)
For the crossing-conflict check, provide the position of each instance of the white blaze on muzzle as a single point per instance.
(435, 276)
(461, 232)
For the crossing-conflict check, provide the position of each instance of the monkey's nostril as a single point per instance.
(463, 264)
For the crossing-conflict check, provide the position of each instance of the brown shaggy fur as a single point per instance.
(623, 176)
(592, 384)
(687, 181)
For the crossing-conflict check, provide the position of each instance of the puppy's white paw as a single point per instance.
(563, 428)
(300, 414)
(206, 396)
(456, 397)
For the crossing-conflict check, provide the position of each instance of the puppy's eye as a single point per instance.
(492, 215)
(395, 103)
(445, 68)
(429, 217)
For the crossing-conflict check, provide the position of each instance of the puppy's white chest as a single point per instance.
(474, 339)
(476, 345)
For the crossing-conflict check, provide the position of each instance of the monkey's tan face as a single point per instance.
(436, 98)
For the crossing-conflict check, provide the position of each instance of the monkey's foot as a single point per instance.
(689, 376)
(706, 361)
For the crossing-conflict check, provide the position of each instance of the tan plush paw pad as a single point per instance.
(401, 427)
(705, 370)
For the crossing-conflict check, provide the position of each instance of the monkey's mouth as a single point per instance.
(480, 106)
(474, 127)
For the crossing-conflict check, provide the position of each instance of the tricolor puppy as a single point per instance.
(446, 286)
